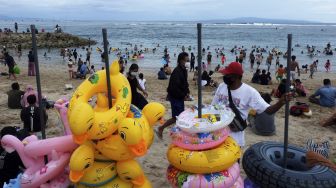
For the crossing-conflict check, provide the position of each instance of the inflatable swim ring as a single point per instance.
(198, 141)
(114, 147)
(99, 174)
(116, 182)
(213, 118)
(130, 171)
(87, 171)
(207, 161)
(85, 123)
(222, 179)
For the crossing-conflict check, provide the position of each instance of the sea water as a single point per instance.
(175, 34)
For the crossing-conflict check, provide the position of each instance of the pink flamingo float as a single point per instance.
(61, 106)
(55, 173)
(31, 152)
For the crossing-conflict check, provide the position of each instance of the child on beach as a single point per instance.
(70, 69)
(312, 70)
(280, 73)
(252, 58)
(92, 70)
(327, 65)
(277, 62)
(258, 59)
(209, 57)
(223, 59)
(300, 90)
(142, 81)
(137, 99)
(256, 77)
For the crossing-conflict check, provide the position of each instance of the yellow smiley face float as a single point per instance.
(85, 122)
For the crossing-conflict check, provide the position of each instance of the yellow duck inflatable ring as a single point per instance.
(135, 135)
(85, 122)
(207, 161)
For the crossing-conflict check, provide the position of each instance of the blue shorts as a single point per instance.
(177, 106)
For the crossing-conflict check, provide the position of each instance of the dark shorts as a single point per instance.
(11, 70)
(177, 106)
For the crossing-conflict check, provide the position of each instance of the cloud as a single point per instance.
(322, 10)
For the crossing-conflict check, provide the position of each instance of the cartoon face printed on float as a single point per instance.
(130, 131)
(154, 112)
(130, 171)
(88, 123)
(81, 160)
(82, 122)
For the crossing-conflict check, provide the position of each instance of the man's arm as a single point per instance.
(298, 68)
(275, 107)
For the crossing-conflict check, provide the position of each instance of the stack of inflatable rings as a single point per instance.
(205, 159)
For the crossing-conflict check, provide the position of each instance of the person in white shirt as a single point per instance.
(142, 81)
(244, 97)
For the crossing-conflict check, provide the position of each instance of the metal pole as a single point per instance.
(38, 85)
(199, 61)
(38, 81)
(107, 67)
(289, 56)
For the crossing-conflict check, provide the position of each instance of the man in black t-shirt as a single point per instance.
(264, 78)
(9, 60)
(31, 64)
(31, 116)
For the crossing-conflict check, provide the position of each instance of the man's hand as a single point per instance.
(275, 107)
(286, 97)
(145, 93)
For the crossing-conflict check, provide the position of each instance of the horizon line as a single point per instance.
(220, 21)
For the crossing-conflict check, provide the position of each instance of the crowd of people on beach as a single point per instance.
(251, 105)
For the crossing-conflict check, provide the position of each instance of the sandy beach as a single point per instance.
(55, 76)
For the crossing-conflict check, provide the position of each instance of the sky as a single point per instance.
(170, 10)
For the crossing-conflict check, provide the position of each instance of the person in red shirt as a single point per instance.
(223, 59)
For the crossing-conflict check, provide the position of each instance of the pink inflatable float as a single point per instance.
(223, 179)
(62, 107)
(239, 183)
(198, 141)
(31, 152)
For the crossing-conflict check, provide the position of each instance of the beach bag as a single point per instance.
(238, 123)
(16, 69)
(298, 109)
